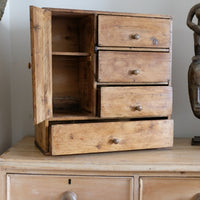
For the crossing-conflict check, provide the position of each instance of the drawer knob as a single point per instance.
(135, 72)
(69, 196)
(138, 108)
(115, 141)
(135, 36)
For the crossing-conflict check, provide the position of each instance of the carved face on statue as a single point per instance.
(194, 86)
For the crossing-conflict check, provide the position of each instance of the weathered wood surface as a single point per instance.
(87, 66)
(42, 136)
(43, 187)
(121, 31)
(42, 63)
(181, 158)
(77, 13)
(165, 188)
(156, 101)
(120, 67)
(112, 136)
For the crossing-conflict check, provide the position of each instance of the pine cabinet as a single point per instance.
(101, 81)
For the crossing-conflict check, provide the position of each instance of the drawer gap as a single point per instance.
(105, 120)
(131, 84)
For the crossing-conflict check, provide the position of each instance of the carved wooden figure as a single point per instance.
(194, 69)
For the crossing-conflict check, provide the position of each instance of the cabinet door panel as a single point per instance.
(169, 188)
(41, 63)
(47, 187)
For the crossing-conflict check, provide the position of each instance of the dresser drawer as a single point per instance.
(169, 188)
(127, 31)
(140, 101)
(47, 187)
(134, 67)
(110, 136)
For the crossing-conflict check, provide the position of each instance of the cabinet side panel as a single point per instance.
(86, 70)
(41, 136)
(41, 52)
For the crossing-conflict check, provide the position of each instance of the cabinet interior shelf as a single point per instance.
(57, 53)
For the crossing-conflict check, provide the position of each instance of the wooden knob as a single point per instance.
(135, 36)
(115, 141)
(138, 108)
(69, 196)
(196, 197)
(135, 72)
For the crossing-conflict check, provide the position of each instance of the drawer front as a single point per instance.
(112, 136)
(126, 31)
(46, 187)
(134, 67)
(147, 101)
(169, 188)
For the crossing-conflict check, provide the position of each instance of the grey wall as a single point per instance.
(5, 95)
(20, 96)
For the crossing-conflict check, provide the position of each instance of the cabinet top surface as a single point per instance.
(63, 12)
(182, 157)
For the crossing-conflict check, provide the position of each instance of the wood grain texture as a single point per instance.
(118, 31)
(99, 137)
(66, 91)
(42, 63)
(165, 188)
(42, 136)
(119, 67)
(42, 187)
(59, 53)
(65, 34)
(77, 13)
(86, 72)
(156, 101)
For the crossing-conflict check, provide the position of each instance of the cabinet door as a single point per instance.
(41, 51)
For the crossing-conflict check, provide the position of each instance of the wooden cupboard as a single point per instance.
(101, 81)
(164, 174)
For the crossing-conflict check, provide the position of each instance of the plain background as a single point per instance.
(16, 119)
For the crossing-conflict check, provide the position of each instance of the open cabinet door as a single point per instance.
(41, 53)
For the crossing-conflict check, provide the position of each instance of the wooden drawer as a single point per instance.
(43, 187)
(169, 188)
(110, 136)
(147, 101)
(134, 67)
(126, 31)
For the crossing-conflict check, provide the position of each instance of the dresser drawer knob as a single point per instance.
(138, 108)
(115, 141)
(135, 36)
(69, 196)
(135, 72)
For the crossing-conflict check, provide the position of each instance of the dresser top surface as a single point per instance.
(182, 157)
